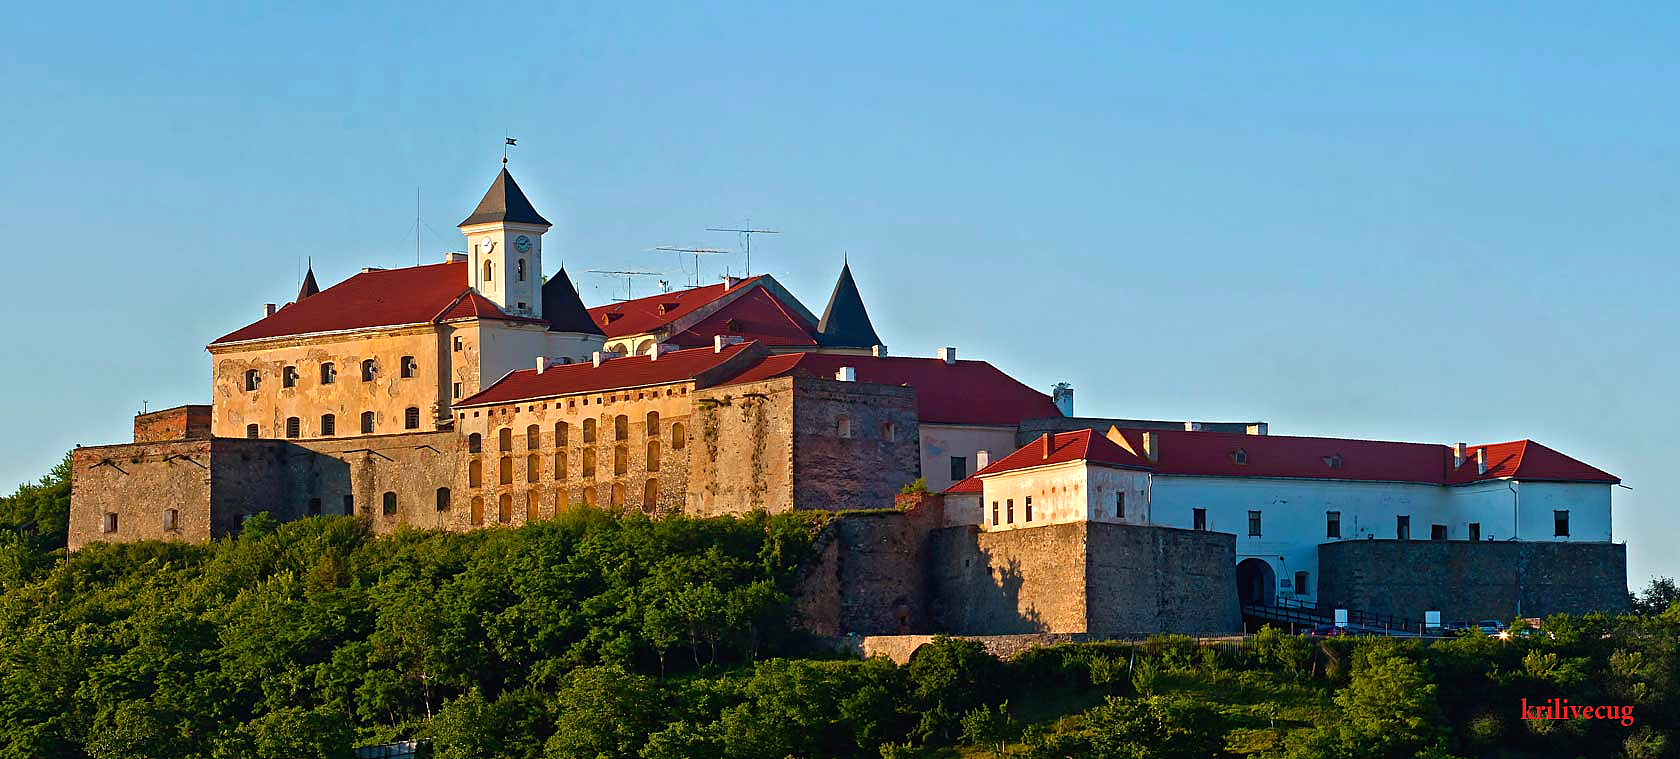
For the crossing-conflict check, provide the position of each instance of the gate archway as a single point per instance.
(1256, 583)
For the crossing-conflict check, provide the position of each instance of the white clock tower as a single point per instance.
(504, 244)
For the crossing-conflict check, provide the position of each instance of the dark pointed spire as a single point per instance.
(562, 307)
(309, 287)
(505, 202)
(845, 323)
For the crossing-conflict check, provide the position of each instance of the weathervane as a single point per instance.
(508, 142)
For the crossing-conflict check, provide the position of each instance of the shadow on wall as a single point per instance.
(977, 593)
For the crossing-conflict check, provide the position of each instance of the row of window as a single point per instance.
(533, 502)
(329, 373)
(563, 430)
(329, 424)
(1402, 525)
(1008, 511)
(534, 462)
(843, 428)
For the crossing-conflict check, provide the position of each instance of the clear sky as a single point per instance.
(1424, 224)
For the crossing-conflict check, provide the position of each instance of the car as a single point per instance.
(1491, 627)
(1329, 631)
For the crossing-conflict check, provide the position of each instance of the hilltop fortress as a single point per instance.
(475, 392)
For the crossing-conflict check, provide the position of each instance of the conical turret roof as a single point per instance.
(562, 307)
(505, 202)
(845, 323)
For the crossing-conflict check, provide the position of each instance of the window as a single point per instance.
(369, 370)
(171, 519)
(679, 437)
(329, 425)
(520, 268)
(533, 437)
(653, 456)
(589, 430)
(349, 504)
(1198, 519)
(1239, 456)
(1403, 528)
(458, 342)
(489, 271)
(843, 426)
(1120, 505)
(504, 508)
(475, 443)
(314, 507)
(443, 499)
(477, 510)
(1332, 524)
(994, 513)
(1009, 511)
(1437, 532)
(411, 418)
(650, 496)
(589, 497)
(888, 431)
(652, 423)
(475, 473)
(589, 462)
(533, 468)
(621, 460)
(1475, 531)
(253, 379)
(505, 469)
(294, 426)
(455, 391)
(388, 503)
(251, 430)
(289, 377)
(110, 523)
(621, 427)
(409, 367)
(367, 422)
(959, 468)
(618, 494)
(1254, 524)
(504, 439)
(533, 505)
(1301, 584)
(561, 429)
(1560, 524)
(1028, 507)
(329, 374)
(559, 465)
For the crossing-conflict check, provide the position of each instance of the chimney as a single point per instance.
(454, 257)
(1049, 445)
(542, 363)
(982, 459)
(268, 309)
(600, 357)
(1062, 394)
(1258, 428)
(1192, 426)
(1460, 451)
(948, 354)
(729, 283)
(1152, 446)
(1481, 461)
(846, 374)
(879, 351)
(653, 353)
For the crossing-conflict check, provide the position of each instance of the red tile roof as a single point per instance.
(379, 298)
(966, 392)
(757, 315)
(627, 372)
(644, 315)
(1215, 454)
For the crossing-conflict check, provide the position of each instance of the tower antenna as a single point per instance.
(629, 278)
(697, 252)
(417, 225)
(746, 231)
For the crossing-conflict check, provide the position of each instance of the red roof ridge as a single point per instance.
(614, 374)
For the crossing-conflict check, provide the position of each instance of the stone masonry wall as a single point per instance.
(855, 445)
(138, 482)
(190, 422)
(1469, 581)
(1145, 579)
(1020, 581)
(742, 456)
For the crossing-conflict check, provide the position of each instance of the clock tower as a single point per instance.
(504, 248)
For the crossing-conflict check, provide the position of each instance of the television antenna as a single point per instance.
(629, 278)
(746, 231)
(696, 252)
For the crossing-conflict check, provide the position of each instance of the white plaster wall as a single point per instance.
(504, 289)
(1057, 493)
(962, 509)
(506, 346)
(1104, 482)
(942, 441)
(1588, 506)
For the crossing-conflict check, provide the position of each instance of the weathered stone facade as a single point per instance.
(1468, 581)
(191, 422)
(870, 575)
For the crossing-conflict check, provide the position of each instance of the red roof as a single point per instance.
(1216, 454)
(631, 371)
(379, 298)
(644, 315)
(757, 315)
(965, 392)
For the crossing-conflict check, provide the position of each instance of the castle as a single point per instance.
(476, 392)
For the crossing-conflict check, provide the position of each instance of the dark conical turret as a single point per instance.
(562, 307)
(845, 323)
(309, 287)
(505, 202)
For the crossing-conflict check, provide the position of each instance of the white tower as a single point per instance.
(504, 244)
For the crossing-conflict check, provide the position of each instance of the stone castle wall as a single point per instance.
(863, 466)
(1161, 579)
(1469, 581)
(743, 449)
(190, 422)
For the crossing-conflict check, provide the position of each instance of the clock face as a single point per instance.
(486, 243)
(523, 243)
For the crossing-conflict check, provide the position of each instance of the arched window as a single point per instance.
(329, 425)
(409, 367)
(253, 379)
(533, 468)
(533, 437)
(475, 473)
(621, 427)
(504, 509)
(367, 422)
(559, 465)
(475, 443)
(443, 499)
(653, 424)
(489, 271)
(533, 503)
(889, 431)
(843, 426)
(653, 455)
(560, 430)
(411, 418)
(589, 430)
(369, 370)
(251, 430)
(389, 503)
(589, 497)
(621, 459)
(329, 374)
(171, 519)
(650, 496)
(618, 494)
(506, 470)
(477, 510)
(504, 439)
(520, 266)
(679, 437)
(294, 426)
(289, 377)
(589, 462)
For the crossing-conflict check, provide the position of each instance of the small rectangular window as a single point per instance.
(1475, 532)
(959, 468)
(1301, 584)
(1120, 505)
(1403, 528)
(1560, 524)
(1009, 510)
(314, 507)
(349, 504)
(1332, 524)
(457, 392)
(409, 367)
(294, 427)
(1437, 532)
(1254, 524)
(994, 513)
(1028, 506)
(171, 518)
(110, 523)
(1198, 519)
(458, 342)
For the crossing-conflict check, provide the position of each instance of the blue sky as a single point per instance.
(1425, 224)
